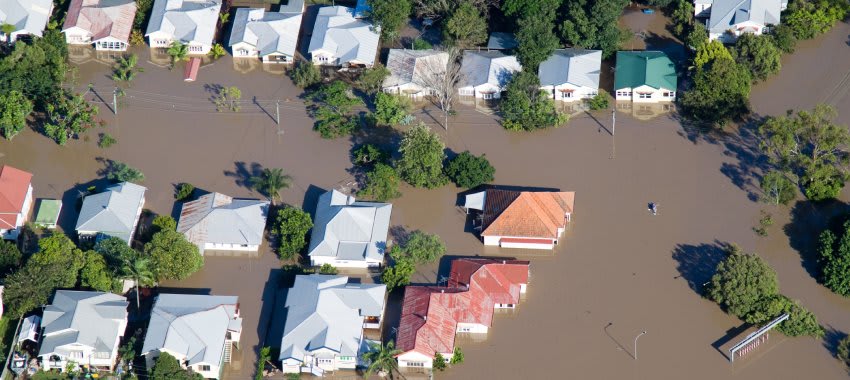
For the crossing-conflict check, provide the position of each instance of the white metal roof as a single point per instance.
(725, 14)
(578, 67)
(350, 230)
(112, 212)
(90, 319)
(483, 67)
(218, 218)
(268, 32)
(414, 66)
(337, 32)
(185, 20)
(30, 16)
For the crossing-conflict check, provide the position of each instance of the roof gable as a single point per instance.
(337, 32)
(526, 214)
(578, 67)
(644, 68)
(92, 319)
(345, 227)
(487, 67)
(112, 212)
(725, 14)
(218, 218)
(102, 18)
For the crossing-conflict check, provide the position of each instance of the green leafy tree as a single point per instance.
(59, 249)
(369, 155)
(398, 275)
(439, 362)
(381, 359)
(290, 227)
(10, 258)
(7, 30)
(783, 37)
(184, 191)
(467, 170)
(166, 367)
(526, 107)
(711, 52)
(331, 105)
(536, 41)
(600, 101)
(741, 282)
(697, 37)
(163, 223)
(328, 269)
(173, 257)
(466, 27)
(217, 51)
(305, 74)
(808, 19)
(759, 54)
(777, 188)
(442, 9)
(116, 252)
(421, 163)
(106, 141)
(720, 93)
(594, 25)
(178, 52)
(391, 109)
(14, 109)
(95, 273)
(682, 16)
(810, 146)
(843, 350)
(118, 171)
(834, 259)
(140, 268)
(143, 8)
(382, 183)
(126, 68)
(420, 44)
(68, 115)
(270, 182)
(228, 98)
(371, 80)
(390, 16)
(423, 248)
(525, 8)
(37, 69)
(457, 356)
(265, 356)
(31, 286)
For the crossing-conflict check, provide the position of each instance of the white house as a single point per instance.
(414, 72)
(348, 233)
(189, 22)
(340, 39)
(485, 74)
(218, 222)
(82, 329)
(571, 74)
(270, 36)
(199, 331)
(644, 77)
(728, 19)
(27, 16)
(325, 318)
(104, 23)
(112, 213)
(15, 200)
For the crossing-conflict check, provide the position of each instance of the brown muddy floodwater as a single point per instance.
(618, 271)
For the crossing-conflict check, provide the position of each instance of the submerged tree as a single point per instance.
(421, 163)
(290, 227)
(270, 182)
(14, 109)
(68, 116)
(381, 359)
(442, 77)
(526, 107)
(125, 69)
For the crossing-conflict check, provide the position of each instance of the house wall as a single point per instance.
(578, 93)
(213, 373)
(702, 10)
(410, 90)
(110, 44)
(77, 36)
(25, 210)
(243, 49)
(138, 215)
(497, 241)
(731, 35)
(277, 58)
(475, 328)
(320, 57)
(231, 247)
(414, 359)
(321, 260)
(159, 40)
(654, 95)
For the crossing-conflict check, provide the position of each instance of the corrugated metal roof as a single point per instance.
(725, 14)
(347, 38)
(185, 20)
(91, 319)
(218, 218)
(578, 67)
(502, 41)
(112, 212)
(268, 32)
(102, 18)
(342, 225)
(14, 186)
(482, 67)
(414, 66)
(638, 68)
(30, 16)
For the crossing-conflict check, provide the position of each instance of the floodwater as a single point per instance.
(617, 272)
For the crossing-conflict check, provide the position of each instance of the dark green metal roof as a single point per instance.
(638, 68)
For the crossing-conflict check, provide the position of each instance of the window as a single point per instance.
(195, 48)
(102, 355)
(346, 358)
(464, 329)
(323, 59)
(642, 95)
(325, 361)
(244, 245)
(624, 93)
(466, 91)
(489, 96)
(415, 364)
(75, 354)
(203, 368)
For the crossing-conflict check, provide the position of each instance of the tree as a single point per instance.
(143, 8)
(370, 155)
(466, 27)
(59, 249)
(777, 188)
(328, 269)
(420, 44)
(36, 69)
(423, 248)
(682, 17)
(67, 116)
(697, 37)
(305, 74)
(331, 105)
(95, 273)
(808, 19)
(711, 52)
(184, 191)
(7, 30)
(125, 68)
(391, 109)
(843, 350)
(467, 170)
(217, 51)
(524, 8)
(31, 287)
(398, 275)
(14, 109)
(439, 362)
(166, 367)
(228, 98)
(421, 163)
(389, 15)
(381, 359)
(290, 227)
(178, 52)
(600, 101)
(594, 25)
(741, 282)
(457, 356)
(270, 182)
(10, 258)
(139, 268)
(759, 54)
(164, 223)
(441, 9)
(106, 141)
(372, 79)
(720, 93)
(834, 260)
(118, 171)
(442, 78)
(810, 146)
(526, 107)
(172, 256)
(783, 37)
(116, 252)
(536, 41)
(381, 183)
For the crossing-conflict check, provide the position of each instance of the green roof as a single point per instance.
(48, 211)
(638, 68)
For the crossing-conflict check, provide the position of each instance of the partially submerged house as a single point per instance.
(571, 74)
(325, 318)
(218, 222)
(113, 213)
(644, 77)
(15, 200)
(348, 233)
(340, 39)
(522, 219)
(432, 315)
(270, 36)
(485, 74)
(728, 19)
(200, 331)
(104, 23)
(189, 22)
(29, 17)
(82, 329)
(414, 73)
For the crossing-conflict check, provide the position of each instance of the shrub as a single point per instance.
(120, 172)
(305, 74)
(843, 350)
(420, 44)
(328, 269)
(184, 191)
(290, 227)
(741, 282)
(601, 101)
(369, 154)
(106, 140)
(467, 170)
(439, 362)
(382, 184)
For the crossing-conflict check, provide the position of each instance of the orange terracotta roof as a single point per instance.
(530, 214)
(14, 185)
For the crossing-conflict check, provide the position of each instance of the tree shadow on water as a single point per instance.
(832, 338)
(808, 220)
(243, 173)
(697, 263)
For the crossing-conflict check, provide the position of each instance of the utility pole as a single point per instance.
(636, 339)
(613, 122)
(115, 101)
(277, 111)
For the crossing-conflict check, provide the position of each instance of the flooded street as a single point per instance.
(618, 270)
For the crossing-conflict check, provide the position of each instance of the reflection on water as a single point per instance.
(645, 111)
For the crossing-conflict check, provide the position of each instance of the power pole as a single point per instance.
(115, 101)
(277, 111)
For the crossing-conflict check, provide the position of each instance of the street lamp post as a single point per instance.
(636, 339)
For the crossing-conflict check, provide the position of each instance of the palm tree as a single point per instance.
(217, 51)
(381, 360)
(270, 182)
(178, 52)
(138, 268)
(126, 70)
(7, 29)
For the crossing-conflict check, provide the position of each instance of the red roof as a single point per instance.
(430, 315)
(14, 186)
(531, 214)
(191, 72)
(102, 18)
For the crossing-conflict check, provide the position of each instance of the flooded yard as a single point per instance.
(617, 272)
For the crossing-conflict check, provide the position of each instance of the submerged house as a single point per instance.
(325, 318)
(200, 331)
(112, 213)
(414, 72)
(522, 219)
(270, 36)
(189, 22)
(644, 77)
(340, 39)
(218, 222)
(348, 233)
(728, 19)
(104, 23)
(432, 315)
(571, 74)
(82, 329)
(28, 17)
(15, 200)
(485, 74)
